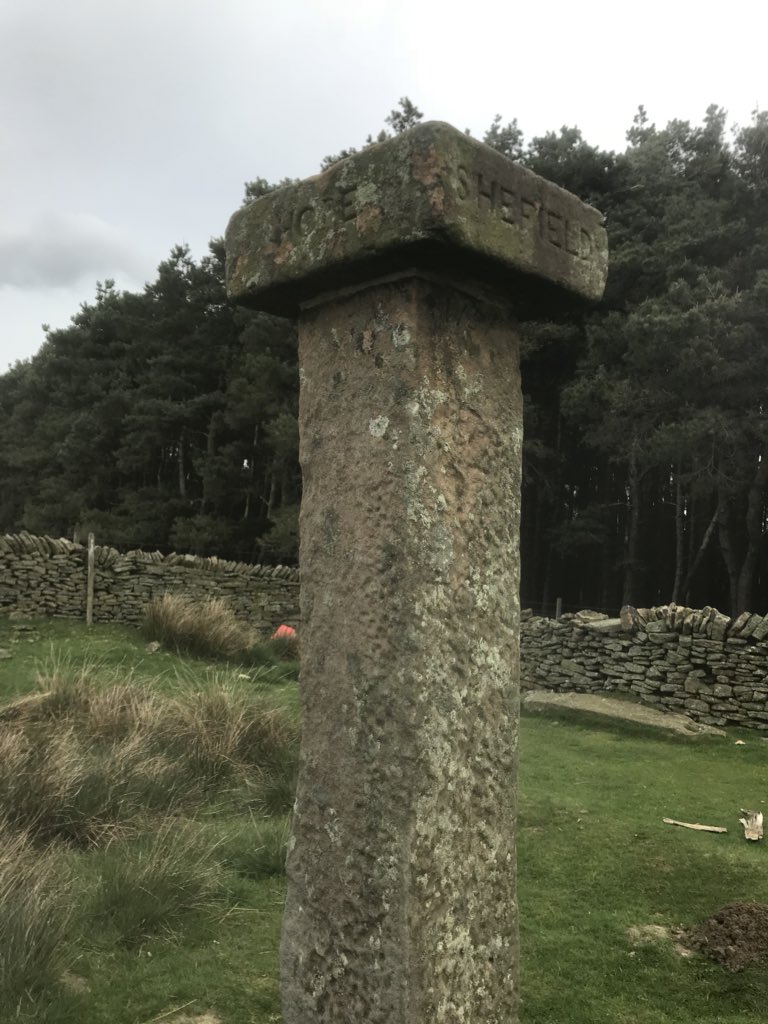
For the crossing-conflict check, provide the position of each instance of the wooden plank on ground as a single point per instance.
(696, 826)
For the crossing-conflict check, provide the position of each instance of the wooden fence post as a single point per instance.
(89, 585)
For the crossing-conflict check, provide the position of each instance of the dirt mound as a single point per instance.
(736, 935)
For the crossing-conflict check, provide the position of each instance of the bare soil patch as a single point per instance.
(610, 707)
(658, 934)
(736, 935)
(648, 934)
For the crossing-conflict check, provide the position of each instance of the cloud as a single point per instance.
(58, 250)
(150, 114)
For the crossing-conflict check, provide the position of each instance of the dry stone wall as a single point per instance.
(43, 576)
(698, 662)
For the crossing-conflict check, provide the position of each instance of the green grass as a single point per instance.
(145, 803)
(595, 859)
(38, 644)
(156, 884)
(112, 647)
(178, 903)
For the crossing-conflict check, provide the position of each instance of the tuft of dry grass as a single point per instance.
(55, 785)
(103, 774)
(205, 628)
(132, 810)
(154, 883)
(88, 756)
(225, 732)
(36, 911)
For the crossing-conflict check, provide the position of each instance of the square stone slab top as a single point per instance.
(431, 200)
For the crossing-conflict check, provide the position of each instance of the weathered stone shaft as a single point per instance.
(401, 901)
(401, 896)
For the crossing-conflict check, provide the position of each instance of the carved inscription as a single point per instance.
(304, 219)
(347, 204)
(298, 223)
(503, 199)
(509, 203)
(293, 224)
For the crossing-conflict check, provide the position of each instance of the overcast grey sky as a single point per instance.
(131, 125)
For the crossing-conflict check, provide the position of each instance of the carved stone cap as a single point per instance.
(431, 199)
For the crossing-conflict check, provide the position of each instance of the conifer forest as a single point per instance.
(166, 419)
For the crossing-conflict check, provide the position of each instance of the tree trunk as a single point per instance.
(727, 549)
(180, 465)
(252, 473)
(741, 572)
(697, 559)
(679, 536)
(270, 507)
(272, 493)
(531, 551)
(754, 524)
(210, 451)
(607, 550)
(693, 519)
(632, 532)
(546, 589)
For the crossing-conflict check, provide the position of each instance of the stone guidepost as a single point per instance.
(407, 267)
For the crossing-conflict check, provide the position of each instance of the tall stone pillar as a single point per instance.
(408, 266)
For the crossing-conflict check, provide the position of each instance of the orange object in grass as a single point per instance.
(283, 631)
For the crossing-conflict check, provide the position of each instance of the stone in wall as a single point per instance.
(47, 576)
(698, 661)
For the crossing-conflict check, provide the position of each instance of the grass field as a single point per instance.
(155, 904)
(595, 859)
(152, 791)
